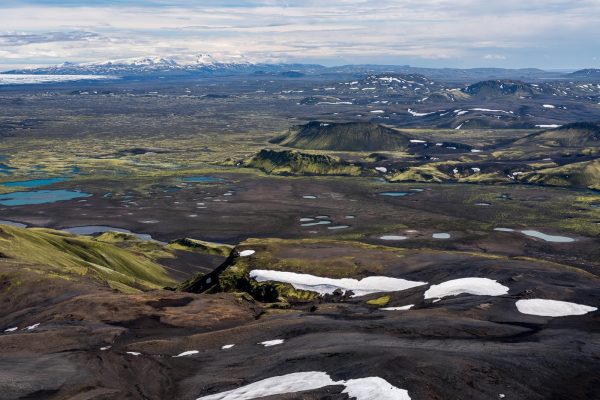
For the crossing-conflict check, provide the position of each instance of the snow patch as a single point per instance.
(401, 308)
(488, 110)
(549, 126)
(246, 253)
(418, 114)
(187, 353)
(274, 342)
(552, 308)
(31, 327)
(476, 286)
(371, 388)
(374, 388)
(368, 285)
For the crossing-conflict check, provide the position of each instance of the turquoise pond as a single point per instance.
(33, 183)
(39, 197)
(204, 179)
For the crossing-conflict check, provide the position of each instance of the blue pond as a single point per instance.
(205, 179)
(39, 197)
(12, 223)
(5, 169)
(33, 183)
(394, 194)
(94, 229)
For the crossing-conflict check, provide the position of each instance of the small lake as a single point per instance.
(336, 227)
(5, 169)
(34, 183)
(39, 197)
(322, 222)
(539, 235)
(548, 238)
(96, 229)
(393, 237)
(12, 223)
(394, 194)
(202, 179)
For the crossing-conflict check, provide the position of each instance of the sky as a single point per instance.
(550, 34)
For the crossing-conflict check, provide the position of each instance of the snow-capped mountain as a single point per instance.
(138, 62)
(201, 63)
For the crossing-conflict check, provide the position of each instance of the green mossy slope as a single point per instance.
(71, 256)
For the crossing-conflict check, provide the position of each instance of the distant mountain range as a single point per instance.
(203, 63)
(206, 64)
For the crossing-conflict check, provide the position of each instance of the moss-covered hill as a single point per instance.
(583, 174)
(123, 263)
(350, 136)
(581, 134)
(289, 162)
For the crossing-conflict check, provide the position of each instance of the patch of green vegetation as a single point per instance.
(70, 256)
(236, 279)
(581, 225)
(7, 282)
(421, 173)
(380, 301)
(584, 175)
(492, 177)
(149, 249)
(201, 246)
(580, 134)
(347, 259)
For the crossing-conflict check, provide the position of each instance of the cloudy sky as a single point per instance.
(553, 34)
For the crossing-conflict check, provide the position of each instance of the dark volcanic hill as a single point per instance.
(586, 73)
(503, 88)
(351, 136)
(580, 134)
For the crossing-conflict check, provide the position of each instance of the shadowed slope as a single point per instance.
(350, 136)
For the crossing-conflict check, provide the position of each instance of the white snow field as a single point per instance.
(371, 388)
(476, 286)
(552, 308)
(369, 285)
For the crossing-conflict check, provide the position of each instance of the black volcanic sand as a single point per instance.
(468, 347)
(272, 207)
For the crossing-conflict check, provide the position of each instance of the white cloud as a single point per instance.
(494, 57)
(450, 31)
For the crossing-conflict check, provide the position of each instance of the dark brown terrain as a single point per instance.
(111, 315)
